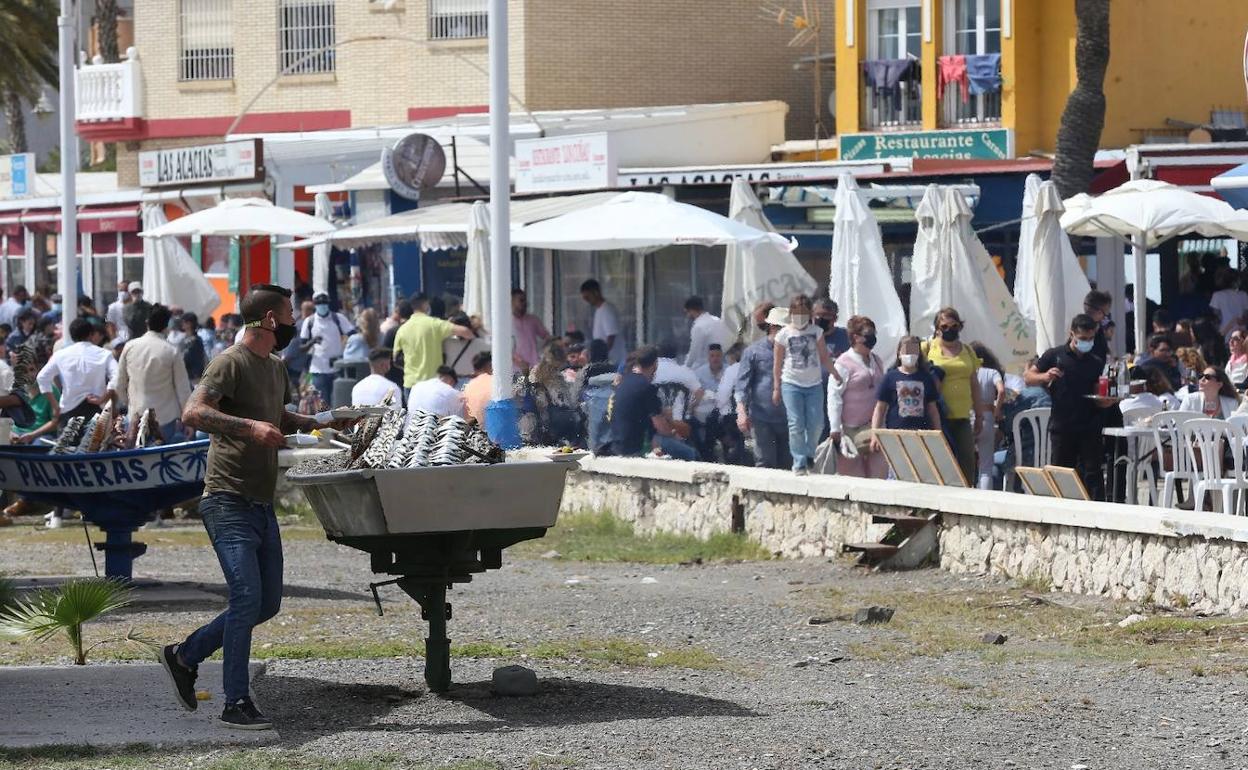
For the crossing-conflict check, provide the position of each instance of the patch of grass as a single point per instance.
(937, 623)
(601, 536)
(76, 757)
(1038, 583)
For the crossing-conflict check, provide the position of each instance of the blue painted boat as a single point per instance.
(117, 491)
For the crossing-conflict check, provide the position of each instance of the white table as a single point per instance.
(1137, 437)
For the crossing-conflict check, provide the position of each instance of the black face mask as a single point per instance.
(284, 334)
(868, 341)
(823, 323)
(764, 328)
(950, 335)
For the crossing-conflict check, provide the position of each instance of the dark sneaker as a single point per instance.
(182, 677)
(244, 715)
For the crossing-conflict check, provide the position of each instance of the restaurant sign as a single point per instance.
(17, 175)
(182, 166)
(561, 163)
(983, 144)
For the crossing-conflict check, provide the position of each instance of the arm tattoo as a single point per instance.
(202, 413)
(292, 422)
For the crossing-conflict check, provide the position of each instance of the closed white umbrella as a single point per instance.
(243, 217)
(170, 275)
(1024, 264)
(861, 282)
(1055, 284)
(760, 271)
(640, 221)
(1146, 213)
(320, 252)
(476, 266)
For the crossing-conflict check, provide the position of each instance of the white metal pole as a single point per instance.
(502, 421)
(1139, 253)
(67, 254)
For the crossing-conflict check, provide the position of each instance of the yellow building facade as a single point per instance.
(1172, 64)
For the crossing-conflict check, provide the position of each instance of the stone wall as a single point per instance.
(1168, 557)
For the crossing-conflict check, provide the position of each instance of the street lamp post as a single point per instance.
(500, 416)
(67, 254)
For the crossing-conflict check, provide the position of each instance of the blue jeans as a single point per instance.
(804, 407)
(677, 448)
(325, 384)
(244, 534)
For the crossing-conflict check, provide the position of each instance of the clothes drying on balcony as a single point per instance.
(884, 76)
(984, 73)
(952, 70)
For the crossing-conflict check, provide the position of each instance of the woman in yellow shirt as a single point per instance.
(960, 364)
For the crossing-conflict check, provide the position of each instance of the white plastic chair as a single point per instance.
(1136, 417)
(1138, 414)
(1209, 440)
(1167, 435)
(1037, 420)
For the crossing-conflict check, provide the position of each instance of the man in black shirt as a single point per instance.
(636, 413)
(1070, 374)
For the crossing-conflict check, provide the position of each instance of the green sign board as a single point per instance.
(985, 144)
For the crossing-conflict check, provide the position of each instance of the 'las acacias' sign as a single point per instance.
(984, 144)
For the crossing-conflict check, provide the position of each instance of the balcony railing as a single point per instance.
(108, 92)
(458, 19)
(978, 110)
(892, 109)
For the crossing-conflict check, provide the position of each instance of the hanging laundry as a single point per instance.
(885, 74)
(952, 69)
(984, 73)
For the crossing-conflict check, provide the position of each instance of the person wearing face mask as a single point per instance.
(835, 337)
(1070, 373)
(960, 365)
(54, 309)
(151, 374)
(850, 407)
(797, 380)
(240, 402)
(327, 331)
(757, 415)
(906, 398)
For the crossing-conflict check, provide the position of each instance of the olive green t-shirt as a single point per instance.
(253, 387)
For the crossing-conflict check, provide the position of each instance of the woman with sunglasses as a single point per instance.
(962, 400)
(1214, 396)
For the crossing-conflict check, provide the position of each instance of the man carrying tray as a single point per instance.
(241, 402)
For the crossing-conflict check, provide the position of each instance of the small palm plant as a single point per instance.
(65, 610)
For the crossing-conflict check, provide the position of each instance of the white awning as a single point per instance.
(446, 226)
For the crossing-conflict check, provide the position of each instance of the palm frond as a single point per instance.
(64, 610)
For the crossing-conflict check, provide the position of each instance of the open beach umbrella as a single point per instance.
(1055, 284)
(170, 275)
(640, 221)
(476, 265)
(760, 271)
(861, 282)
(1146, 213)
(243, 217)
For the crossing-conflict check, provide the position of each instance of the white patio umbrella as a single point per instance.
(1024, 297)
(861, 282)
(244, 217)
(320, 252)
(1055, 285)
(757, 272)
(170, 275)
(1146, 213)
(640, 221)
(951, 268)
(476, 265)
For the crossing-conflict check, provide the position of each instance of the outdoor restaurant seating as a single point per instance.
(1169, 444)
(1036, 422)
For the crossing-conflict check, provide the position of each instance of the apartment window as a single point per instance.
(895, 29)
(206, 45)
(458, 19)
(306, 36)
(976, 27)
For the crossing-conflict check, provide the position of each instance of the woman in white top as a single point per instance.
(1215, 396)
(800, 359)
(989, 378)
(1158, 393)
(1237, 365)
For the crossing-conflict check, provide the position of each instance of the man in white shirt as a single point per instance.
(707, 330)
(437, 395)
(13, 305)
(85, 370)
(115, 314)
(606, 321)
(710, 373)
(152, 375)
(670, 370)
(328, 331)
(373, 389)
(1229, 301)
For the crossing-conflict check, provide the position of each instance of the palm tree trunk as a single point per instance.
(106, 29)
(1079, 134)
(16, 122)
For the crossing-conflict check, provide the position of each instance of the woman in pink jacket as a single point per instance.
(850, 406)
